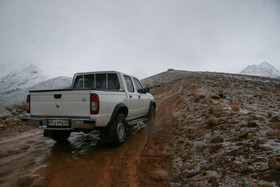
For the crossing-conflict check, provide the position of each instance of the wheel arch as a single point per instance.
(153, 103)
(119, 108)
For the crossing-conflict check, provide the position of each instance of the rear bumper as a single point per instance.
(75, 123)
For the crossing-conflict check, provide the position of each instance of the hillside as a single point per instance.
(226, 130)
(212, 129)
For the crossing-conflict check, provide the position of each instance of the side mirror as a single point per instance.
(143, 91)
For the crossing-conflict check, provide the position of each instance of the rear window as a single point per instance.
(84, 82)
(102, 81)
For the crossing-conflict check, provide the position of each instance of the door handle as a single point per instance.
(130, 96)
(139, 97)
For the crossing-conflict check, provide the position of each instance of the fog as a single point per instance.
(139, 37)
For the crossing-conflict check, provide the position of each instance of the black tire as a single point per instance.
(115, 133)
(60, 136)
(151, 116)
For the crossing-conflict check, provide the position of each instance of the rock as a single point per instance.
(233, 164)
(159, 174)
(206, 150)
(266, 148)
(222, 95)
(185, 166)
(217, 139)
(241, 151)
(252, 124)
(241, 135)
(274, 163)
(4, 117)
(275, 125)
(244, 134)
(261, 141)
(275, 119)
(213, 181)
(216, 97)
(272, 133)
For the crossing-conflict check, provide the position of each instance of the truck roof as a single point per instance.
(100, 72)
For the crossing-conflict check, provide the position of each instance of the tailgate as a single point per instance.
(74, 103)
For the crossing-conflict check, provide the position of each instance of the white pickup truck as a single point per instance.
(107, 101)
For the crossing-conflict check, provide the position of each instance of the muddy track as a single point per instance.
(29, 159)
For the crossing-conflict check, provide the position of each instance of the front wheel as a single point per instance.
(151, 116)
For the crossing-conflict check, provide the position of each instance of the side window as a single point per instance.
(79, 82)
(113, 82)
(101, 81)
(129, 84)
(138, 85)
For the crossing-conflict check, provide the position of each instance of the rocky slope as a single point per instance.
(227, 130)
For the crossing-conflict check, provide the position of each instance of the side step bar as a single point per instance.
(134, 122)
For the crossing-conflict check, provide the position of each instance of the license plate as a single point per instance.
(58, 123)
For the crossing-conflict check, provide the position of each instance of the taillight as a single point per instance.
(94, 104)
(28, 103)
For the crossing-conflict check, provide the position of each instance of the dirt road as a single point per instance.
(29, 159)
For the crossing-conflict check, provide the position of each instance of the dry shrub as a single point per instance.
(198, 97)
(269, 114)
(235, 107)
(17, 109)
(181, 99)
(216, 97)
(212, 121)
(216, 110)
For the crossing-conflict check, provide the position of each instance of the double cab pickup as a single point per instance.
(107, 101)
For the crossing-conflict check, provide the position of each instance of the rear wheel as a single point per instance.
(115, 132)
(60, 136)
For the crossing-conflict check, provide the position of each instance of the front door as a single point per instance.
(132, 98)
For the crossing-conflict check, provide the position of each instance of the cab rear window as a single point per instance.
(101, 81)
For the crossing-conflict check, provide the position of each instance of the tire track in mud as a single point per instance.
(101, 165)
(155, 168)
(21, 153)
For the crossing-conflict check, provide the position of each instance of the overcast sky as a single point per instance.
(142, 37)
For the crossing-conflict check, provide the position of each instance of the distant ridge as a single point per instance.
(264, 70)
(166, 76)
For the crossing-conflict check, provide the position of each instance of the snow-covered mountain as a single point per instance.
(21, 79)
(14, 87)
(264, 70)
(55, 83)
